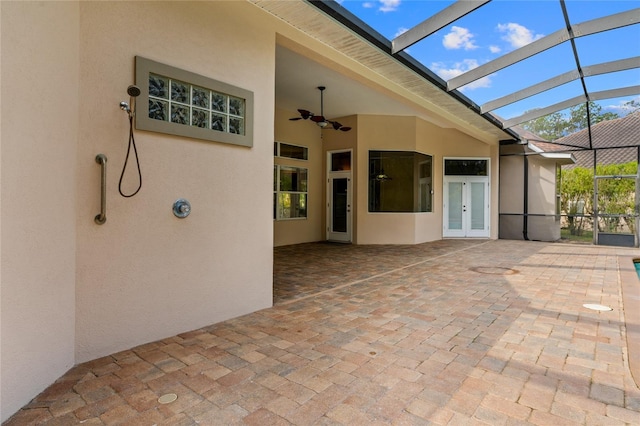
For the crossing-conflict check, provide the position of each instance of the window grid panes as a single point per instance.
(183, 103)
(290, 192)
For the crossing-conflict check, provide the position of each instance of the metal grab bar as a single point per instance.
(101, 218)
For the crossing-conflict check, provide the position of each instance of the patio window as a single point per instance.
(182, 103)
(286, 150)
(400, 182)
(289, 192)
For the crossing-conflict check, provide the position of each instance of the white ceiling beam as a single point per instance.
(613, 66)
(594, 96)
(586, 28)
(589, 71)
(615, 93)
(436, 22)
(541, 112)
(510, 58)
(606, 23)
(530, 91)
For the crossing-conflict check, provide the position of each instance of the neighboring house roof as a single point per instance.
(612, 142)
(528, 135)
(620, 132)
(617, 133)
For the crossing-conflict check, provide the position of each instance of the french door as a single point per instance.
(339, 211)
(339, 222)
(466, 206)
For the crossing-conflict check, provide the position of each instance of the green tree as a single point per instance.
(616, 196)
(556, 125)
(632, 106)
(578, 116)
(549, 127)
(576, 195)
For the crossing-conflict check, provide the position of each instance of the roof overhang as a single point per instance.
(560, 158)
(350, 43)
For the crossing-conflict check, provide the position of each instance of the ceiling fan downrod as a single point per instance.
(319, 119)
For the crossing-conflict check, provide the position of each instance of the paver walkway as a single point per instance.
(450, 332)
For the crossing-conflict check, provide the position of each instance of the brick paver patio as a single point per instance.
(449, 332)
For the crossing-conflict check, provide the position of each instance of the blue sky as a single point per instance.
(502, 26)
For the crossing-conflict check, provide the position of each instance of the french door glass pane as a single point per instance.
(341, 161)
(477, 205)
(339, 205)
(455, 205)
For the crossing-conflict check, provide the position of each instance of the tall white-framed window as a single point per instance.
(290, 192)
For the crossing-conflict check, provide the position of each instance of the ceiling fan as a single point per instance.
(319, 119)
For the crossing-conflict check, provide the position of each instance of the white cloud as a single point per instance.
(495, 49)
(460, 68)
(517, 35)
(382, 5)
(389, 5)
(458, 38)
(620, 108)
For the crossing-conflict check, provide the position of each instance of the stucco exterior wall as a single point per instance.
(542, 200)
(146, 274)
(541, 224)
(511, 197)
(38, 162)
(542, 185)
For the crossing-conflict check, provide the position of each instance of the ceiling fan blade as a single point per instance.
(335, 125)
(295, 118)
(317, 118)
(304, 114)
(338, 126)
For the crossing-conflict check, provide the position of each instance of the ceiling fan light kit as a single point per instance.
(319, 119)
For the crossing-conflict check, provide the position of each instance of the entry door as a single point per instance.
(339, 207)
(466, 206)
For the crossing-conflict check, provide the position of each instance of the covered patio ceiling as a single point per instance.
(576, 41)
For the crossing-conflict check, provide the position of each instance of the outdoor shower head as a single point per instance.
(129, 107)
(133, 91)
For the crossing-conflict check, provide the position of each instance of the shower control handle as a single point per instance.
(181, 208)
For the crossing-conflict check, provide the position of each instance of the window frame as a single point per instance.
(278, 151)
(417, 182)
(145, 66)
(277, 191)
(486, 160)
